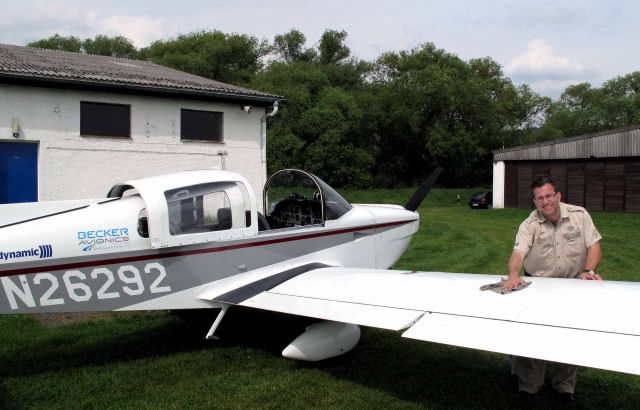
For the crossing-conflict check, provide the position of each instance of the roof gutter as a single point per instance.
(56, 82)
(263, 138)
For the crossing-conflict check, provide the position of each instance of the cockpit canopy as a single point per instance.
(298, 198)
(192, 207)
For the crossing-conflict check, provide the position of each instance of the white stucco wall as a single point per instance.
(498, 184)
(71, 166)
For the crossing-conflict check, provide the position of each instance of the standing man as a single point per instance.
(560, 241)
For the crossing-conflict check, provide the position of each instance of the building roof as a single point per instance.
(36, 66)
(619, 142)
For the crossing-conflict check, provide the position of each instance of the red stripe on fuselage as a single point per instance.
(76, 265)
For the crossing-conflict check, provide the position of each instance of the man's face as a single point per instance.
(546, 200)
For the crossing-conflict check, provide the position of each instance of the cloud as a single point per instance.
(83, 20)
(141, 30)
(551, 15)
(546, 73)
(24, 22)
(539, 64)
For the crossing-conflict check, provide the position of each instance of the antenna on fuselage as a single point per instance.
(417, 198)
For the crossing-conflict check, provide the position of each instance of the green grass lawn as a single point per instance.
(161, 360)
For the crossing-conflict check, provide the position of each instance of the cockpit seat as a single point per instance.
(224, 218)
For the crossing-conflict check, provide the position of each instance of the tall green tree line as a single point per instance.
(386, 122)
(582, 109)
(118, 46)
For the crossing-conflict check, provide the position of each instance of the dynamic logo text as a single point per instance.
(42, 251)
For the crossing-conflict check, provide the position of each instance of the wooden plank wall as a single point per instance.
(598, 185)
(632, 191)
(511, 184)
(595, 177)
(614, 186)
(525, 176)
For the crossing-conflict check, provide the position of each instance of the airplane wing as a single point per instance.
(587, 323)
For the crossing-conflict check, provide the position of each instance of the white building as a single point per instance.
(72, 125)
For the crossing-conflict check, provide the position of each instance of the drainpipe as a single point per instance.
(263, 139)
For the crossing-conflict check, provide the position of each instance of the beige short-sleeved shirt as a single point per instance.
(556, 251)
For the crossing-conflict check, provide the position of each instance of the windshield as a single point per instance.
(298, 198)
(335, 204)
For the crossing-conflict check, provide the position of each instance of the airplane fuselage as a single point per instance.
(96, 257)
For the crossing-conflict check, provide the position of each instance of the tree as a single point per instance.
(582, 109)
(621, 103)
(118, 46)
(58, 42)
(334, 151)
(284, 150)
(318, 128)
(397, 118)
(332, 48)
(301, 83)
(289, 47)
(229, 58)
(102, 45)
(435, 109)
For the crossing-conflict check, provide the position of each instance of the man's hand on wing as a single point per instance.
(589, 276)
(514, 265)
(513, 282)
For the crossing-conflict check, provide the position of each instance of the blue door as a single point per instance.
(18, 172)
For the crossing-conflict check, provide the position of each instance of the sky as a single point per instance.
(546, 44)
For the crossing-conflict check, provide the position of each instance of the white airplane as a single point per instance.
(196, 240)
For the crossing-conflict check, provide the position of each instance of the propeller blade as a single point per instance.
(417, 198)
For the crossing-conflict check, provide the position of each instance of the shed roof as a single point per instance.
(619, 142)
(36, 66)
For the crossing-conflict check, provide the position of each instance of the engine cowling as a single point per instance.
(323, 340)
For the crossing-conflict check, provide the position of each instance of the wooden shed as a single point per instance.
(600, 171)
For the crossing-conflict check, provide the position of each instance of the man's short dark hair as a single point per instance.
(539, 182)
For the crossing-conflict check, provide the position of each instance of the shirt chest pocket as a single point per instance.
(574, 243)
(545, 240)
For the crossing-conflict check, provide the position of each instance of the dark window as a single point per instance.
(108, 120)
(201, 125)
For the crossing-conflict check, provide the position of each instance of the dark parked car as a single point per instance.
(481, 200)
